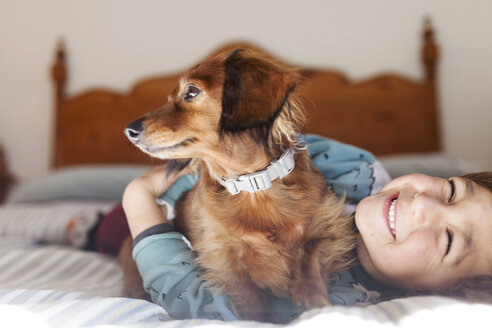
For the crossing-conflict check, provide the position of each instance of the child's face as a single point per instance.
(435, 235)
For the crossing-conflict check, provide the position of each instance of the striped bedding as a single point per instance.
(54, 285)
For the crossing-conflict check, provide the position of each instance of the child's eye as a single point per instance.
(191, 92)
(450, 241)
(453, 190)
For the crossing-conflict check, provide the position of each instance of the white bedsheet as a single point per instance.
(28, 265)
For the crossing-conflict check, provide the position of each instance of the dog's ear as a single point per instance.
(255, 92)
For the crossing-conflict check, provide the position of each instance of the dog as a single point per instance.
(260, 218)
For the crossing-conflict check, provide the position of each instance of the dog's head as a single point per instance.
(237, 105)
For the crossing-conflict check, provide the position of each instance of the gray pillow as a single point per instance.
(87, 183)
(433, 164)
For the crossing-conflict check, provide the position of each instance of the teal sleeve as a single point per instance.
(172, 279)
(348, 170)
(181, 185)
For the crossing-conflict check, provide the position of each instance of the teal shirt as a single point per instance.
(172, 278)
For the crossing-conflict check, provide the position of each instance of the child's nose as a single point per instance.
(426, 210)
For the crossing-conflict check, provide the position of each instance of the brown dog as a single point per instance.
(234, 114)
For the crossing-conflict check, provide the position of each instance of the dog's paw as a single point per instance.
(309, 297)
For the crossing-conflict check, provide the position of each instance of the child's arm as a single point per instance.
(141, 210)
(166, 264)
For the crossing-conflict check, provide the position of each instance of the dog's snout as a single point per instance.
(133, 131)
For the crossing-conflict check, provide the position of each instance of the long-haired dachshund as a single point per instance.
(260, 217)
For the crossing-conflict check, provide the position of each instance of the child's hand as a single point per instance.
(139, 204)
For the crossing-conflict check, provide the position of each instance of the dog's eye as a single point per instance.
(191, 92)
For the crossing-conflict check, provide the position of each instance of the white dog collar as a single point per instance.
(261, 180)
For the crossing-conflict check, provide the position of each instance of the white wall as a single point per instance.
(115, 42)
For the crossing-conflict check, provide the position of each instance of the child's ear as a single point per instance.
(254, 93)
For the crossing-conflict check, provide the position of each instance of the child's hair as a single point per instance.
(482, 178)
(478, 288)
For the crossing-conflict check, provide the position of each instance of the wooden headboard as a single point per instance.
(386, 114)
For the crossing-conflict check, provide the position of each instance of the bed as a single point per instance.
(45, 282)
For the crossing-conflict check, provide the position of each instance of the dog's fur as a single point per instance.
(233, 114)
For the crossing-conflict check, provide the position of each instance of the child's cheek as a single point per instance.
(414, 255)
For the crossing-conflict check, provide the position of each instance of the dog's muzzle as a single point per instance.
(133, 131)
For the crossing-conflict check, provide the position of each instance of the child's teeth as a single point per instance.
(391, 216)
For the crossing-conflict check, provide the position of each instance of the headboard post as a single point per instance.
(430, 51)
(59, 75)
(59, 72)
(430, 56)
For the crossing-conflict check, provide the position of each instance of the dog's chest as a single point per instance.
(264, 238)
(238, 221)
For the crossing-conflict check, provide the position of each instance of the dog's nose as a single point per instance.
(133, 131)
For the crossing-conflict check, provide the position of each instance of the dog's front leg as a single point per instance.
(308, 285)
(249, 300)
